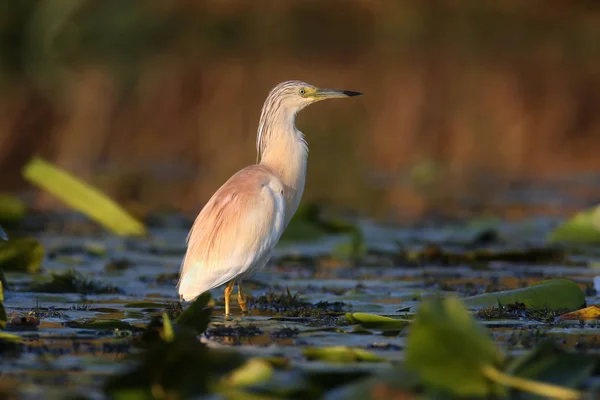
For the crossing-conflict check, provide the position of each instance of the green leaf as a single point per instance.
(168, 334)
(449, 349)
(341, 354)
(21, 255)
(254, 371)
(197, 315)
(378, 322)
(582, 228)
(554, 294)
(82, 197)
(7, 337)
(547, 363)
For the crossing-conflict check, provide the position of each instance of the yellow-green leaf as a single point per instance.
(254, 371)
(82, 197)
(582, 228)
(378, 322)
(555, 294)
(449, 349)
(341, 354)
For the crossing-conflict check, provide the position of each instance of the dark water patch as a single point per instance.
(284, 333)
(120, 264)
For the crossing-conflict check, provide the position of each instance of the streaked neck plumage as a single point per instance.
(281, 147)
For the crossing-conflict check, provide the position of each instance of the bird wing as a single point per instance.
(235, 231)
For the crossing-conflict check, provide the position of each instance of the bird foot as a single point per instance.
(242, 304)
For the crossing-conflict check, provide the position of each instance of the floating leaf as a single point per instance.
(547, 363)
(197, 315)
(582, 228)
(82, 197)
(591, 312)
(378, 322)
(449, 349)
(253, 372)
(341, 354)
(554, 294)
(21, 255)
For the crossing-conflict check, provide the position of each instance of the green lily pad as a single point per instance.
(254, 371)
(21, 255)
(341, 354)
(582, 228)
(197, 315)
(554, 294)
(449, 350)
(378, 322)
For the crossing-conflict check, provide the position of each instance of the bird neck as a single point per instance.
(286, 155)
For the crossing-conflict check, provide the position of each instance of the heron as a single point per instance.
(235, 232)
(3, 234)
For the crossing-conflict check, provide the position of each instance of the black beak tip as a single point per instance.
(350, 93)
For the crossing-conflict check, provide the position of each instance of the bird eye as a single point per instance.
(302, 92)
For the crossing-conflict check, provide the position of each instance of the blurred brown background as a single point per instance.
(157, 102)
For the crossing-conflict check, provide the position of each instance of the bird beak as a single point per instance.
(322, 94)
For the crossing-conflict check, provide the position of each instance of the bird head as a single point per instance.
(295, 95)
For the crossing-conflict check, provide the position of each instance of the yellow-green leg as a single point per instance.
(228, 290)
(241, 299)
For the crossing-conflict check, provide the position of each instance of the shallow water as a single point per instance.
(60, 358)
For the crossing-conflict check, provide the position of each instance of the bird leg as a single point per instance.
(241, 299)
(228, 290)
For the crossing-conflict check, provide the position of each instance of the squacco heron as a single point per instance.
(236, 231)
